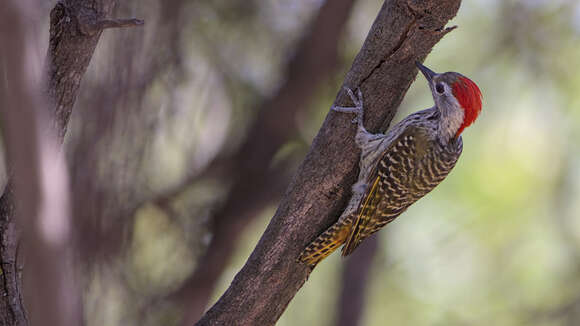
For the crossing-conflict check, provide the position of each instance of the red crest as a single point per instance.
(469, 97)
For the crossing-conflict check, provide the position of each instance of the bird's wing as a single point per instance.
(388, 196)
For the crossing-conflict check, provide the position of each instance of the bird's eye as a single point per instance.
(440, 88)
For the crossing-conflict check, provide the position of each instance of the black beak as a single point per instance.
(428, 73)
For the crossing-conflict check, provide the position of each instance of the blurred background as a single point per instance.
(170, 128)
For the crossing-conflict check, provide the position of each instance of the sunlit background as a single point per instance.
(498, 242)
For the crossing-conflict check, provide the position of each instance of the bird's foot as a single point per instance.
(357, 109)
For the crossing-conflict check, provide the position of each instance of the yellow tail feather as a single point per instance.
(325, 244)
(358, 231)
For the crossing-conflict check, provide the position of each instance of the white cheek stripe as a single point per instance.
(452, 116)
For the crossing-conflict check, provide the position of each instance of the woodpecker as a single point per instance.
(403, 165)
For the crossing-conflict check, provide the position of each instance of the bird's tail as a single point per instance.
(325, 243)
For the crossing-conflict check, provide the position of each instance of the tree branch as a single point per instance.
(403, 32)
(91, 28)
(72, 43)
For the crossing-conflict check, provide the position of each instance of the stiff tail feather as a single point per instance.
(360, 225)
(325, 243)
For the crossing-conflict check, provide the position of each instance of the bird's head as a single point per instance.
(456, 96)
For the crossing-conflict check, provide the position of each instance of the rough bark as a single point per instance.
(11, 306)
(75, 27)
(256, 184)
(403, 32)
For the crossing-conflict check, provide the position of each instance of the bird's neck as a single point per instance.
(451, 119)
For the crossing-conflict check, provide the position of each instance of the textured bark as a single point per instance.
(75, 27)
(257, 184)
(403, 32)
(11, 307)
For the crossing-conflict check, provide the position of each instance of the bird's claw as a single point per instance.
(357, 100)
(345, 109)
(357, 109)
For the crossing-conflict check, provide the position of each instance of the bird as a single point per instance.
(403, 165)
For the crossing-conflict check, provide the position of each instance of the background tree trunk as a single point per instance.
(75, 28)
(355, 279)
(39, 177)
